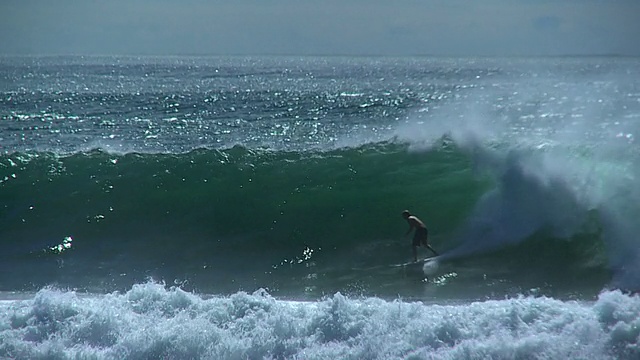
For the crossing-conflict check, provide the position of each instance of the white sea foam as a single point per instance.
(430, 267)
(150, 321)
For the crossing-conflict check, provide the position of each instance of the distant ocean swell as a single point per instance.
(241, 210)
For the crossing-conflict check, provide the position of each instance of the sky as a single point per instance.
(320, 27)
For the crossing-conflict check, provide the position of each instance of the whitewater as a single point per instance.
(249, 208)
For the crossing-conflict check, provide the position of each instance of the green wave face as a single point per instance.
(271, 199)
(254, 211)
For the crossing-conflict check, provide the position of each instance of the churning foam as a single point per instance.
(150, 321)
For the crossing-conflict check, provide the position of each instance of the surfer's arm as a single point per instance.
(411, 226)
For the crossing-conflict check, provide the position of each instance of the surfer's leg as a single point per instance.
(424, 237)
(414, 244)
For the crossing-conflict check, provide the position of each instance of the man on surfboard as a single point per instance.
(421, 234)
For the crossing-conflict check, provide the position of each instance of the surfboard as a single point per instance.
(425, 266)
(420, 262)
(411, 265)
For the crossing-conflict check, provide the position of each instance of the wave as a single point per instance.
(239, 212)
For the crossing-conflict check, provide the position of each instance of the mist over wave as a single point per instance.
(562, 178)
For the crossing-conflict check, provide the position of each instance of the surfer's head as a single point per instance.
(406, 214)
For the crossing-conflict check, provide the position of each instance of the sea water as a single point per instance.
(249, 208)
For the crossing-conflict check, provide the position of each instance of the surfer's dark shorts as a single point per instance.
(420, 237)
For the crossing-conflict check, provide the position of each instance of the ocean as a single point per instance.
(250, 207)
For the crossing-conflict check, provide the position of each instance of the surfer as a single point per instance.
(421, 234)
